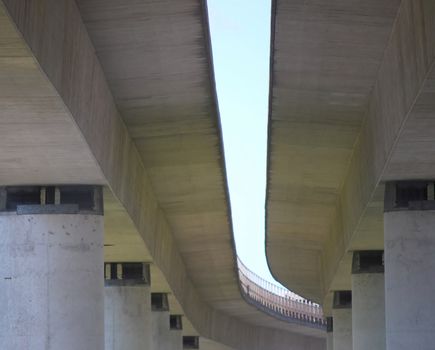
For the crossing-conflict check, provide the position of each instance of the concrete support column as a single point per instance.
(51, 268)
(329, 333)
(409, 229)
(368, 300)
(166, 330)
(127, 306)
(342, 315)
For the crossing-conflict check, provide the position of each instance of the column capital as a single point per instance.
(175, 322)
(127, 274)
(159, 302)
(342, 299)
(409, 195)
(190, 342)
(368, 261)
(52, 199)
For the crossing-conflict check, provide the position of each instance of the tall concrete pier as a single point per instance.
(368, 300)
(342, 316)
(127, 306)
(51, 258)
(409, 264)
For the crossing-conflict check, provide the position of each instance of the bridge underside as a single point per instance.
(351, 107)
(94, 92)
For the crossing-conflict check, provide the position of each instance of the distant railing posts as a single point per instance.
(279, 301)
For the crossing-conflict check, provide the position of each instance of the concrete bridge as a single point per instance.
(115, 223)
(118, 97)
(351, 152)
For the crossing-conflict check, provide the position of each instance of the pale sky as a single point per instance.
(240, 32)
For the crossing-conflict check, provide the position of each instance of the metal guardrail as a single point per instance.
(279, 301)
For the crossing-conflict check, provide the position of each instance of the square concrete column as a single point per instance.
(409, 233)
(342, 315)
(368, 300)
(51, 268)
(127, 303)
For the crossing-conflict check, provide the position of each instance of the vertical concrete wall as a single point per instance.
(342, 335)
(368, 311)
(51, 282)
(163, 338)
(127, 317)
(409, 279)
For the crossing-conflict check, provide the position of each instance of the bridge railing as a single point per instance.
(279, 301)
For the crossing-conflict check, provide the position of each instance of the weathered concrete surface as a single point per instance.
(342, 336)
(368, 311)
(162, 337)
(394, 140)
(69, 62)
(127, 318)
(51, 282)
(409, 283)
